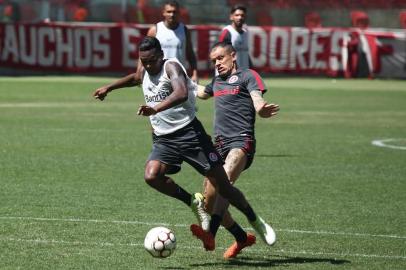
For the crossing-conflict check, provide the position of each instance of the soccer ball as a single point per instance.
(160, 242)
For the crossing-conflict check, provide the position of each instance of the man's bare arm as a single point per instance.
(179, 91)
(191, 56)
(263, 109)
(127, 81)
(200, 93)
(152, 31)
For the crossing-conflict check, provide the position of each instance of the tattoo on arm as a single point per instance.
(257, 99)
(235, 163)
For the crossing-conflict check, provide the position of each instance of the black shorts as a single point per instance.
(190, 144)
(247, 143)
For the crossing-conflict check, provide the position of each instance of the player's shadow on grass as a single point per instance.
(261, 262)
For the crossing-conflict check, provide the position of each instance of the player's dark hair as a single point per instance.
(149, 43)
(172, 3)
(224, 44)
(238, 7)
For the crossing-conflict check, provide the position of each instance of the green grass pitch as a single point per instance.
(72, 194)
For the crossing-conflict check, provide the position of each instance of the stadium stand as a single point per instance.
(323, 4)
(28, 13)
(311, 13)
(264, 17)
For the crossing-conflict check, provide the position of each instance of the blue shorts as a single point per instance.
(190, 144)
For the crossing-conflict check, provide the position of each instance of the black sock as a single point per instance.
(239, 234)
(250, 214)
(215, 224)
(183, 196)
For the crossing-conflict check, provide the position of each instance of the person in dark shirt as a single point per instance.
(238, 97)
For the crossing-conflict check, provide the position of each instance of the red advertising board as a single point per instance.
(112, 48)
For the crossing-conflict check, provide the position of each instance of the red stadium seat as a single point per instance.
(359, 19)
(402, 19)
(28, 13)
(184, 15)
(152, 15)
(312, 19)
(264, 18)
(116, 13)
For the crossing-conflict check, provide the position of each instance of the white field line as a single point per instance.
(186, 225)
(386, 143)
(67, 79)
(256, 250)
(44, 105)
(62, 104)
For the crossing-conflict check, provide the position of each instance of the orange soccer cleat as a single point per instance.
(206, 237)
(236, 247)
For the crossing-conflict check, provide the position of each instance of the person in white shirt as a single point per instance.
(175, 38)
(236, 34)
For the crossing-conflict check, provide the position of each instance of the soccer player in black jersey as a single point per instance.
(238, 97)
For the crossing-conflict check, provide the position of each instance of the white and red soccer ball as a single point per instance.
(160, 242)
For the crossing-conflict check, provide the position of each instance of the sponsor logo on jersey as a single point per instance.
(158, 97)
(223, 92)
(213, 157)
(233, 79)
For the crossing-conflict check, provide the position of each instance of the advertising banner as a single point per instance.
(71, 48)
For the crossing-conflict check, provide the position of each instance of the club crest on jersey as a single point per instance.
(233, 79)
(213, 157)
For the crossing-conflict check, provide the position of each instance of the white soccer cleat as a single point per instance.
(264, 230)
(198, 209)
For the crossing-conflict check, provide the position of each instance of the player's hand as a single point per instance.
(146, 110)
(101, 93)
(195, 78)
(268, 110)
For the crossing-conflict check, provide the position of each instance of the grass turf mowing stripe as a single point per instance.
(256, 250)
(186, 225)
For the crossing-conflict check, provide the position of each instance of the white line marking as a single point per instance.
(61, 104)
(186, 225)
(43, 105)
(256, 250)
(345, 233)
(384, 143)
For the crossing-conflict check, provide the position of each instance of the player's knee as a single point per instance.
(151, 176)
(153, 172)
(219, 179)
